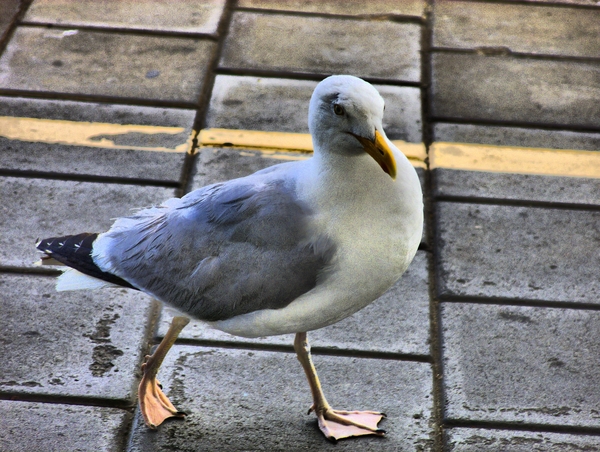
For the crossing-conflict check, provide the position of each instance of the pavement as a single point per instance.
(490, 341)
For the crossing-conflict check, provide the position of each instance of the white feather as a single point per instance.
(71, 279)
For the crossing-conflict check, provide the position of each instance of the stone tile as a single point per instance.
(57, 428)
(257, 103)
(105, 64)
(181, 16)
(37, 155)
(264, 404)
(567, 2)
(274, 104)
(323, 46)
(96, 112)
(349, 7)
(221, 164)
(81, 160)
(8, 12)
(398, 322)
(402, 119)
(516, 136)
(535, 29)
(480, 440)
(518, 187)
(517, 252)
(496, 88)
(37, 208)
(520, 364)
(82, 343)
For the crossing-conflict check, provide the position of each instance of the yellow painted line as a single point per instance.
(256, 139)
(301, 142)
(92, 134)
(516, 160)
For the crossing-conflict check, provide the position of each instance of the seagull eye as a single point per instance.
(338, 109)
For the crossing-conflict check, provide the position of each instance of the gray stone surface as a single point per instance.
(347, 8)
(33, 209)
(566, 2)
(281, 105)
(516, 136)
(398, 322)
(98, 161)
(256, 400)
(323, 46)
(221, 164)
(181, 16)
(535, 29)
(521, 364)
(83, 343)
(480, 440)
(257, 103)
(518, 187)
(27, 427)
(497, 88)
(518, 252)
(81, 160)
(96, 112)
(105, 64)
(8, 12)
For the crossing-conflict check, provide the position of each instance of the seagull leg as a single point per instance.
(334, 424)
(154, 404)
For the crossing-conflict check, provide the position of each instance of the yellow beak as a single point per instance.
(380, 151)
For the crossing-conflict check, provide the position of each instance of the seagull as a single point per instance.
(289, 249)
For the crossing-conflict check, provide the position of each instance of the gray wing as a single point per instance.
(221, 251)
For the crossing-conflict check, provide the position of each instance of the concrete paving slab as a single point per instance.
(534, 29)
(68, 110)
(97, 63)
(516, 136)
(347, 8)
(568, 2)
(517, 252)
(79, 344)
(520, 364)
(256, 400)
(144, 160)
(8, 13)
(320, 45)
(57, 428)
(33, 209)
(480, 440)
(80, 160)
(398, 322)
(258, 103)
(498, 88)
(215, 164)
(517, 187)
(181, 16)
(275, 104)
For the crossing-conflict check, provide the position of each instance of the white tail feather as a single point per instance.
(71, 279)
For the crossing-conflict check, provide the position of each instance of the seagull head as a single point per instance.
(345, 117)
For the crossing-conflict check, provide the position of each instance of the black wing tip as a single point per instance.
(75, 251)
(54, 244)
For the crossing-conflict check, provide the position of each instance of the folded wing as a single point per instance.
(221, 251)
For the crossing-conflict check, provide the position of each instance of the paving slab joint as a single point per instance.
(401, 18)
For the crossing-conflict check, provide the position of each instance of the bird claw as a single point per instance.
(338, 424)
(155, 406)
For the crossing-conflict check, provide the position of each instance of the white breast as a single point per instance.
(377, 228)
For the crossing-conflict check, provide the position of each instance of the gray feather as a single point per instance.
(221, 251)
